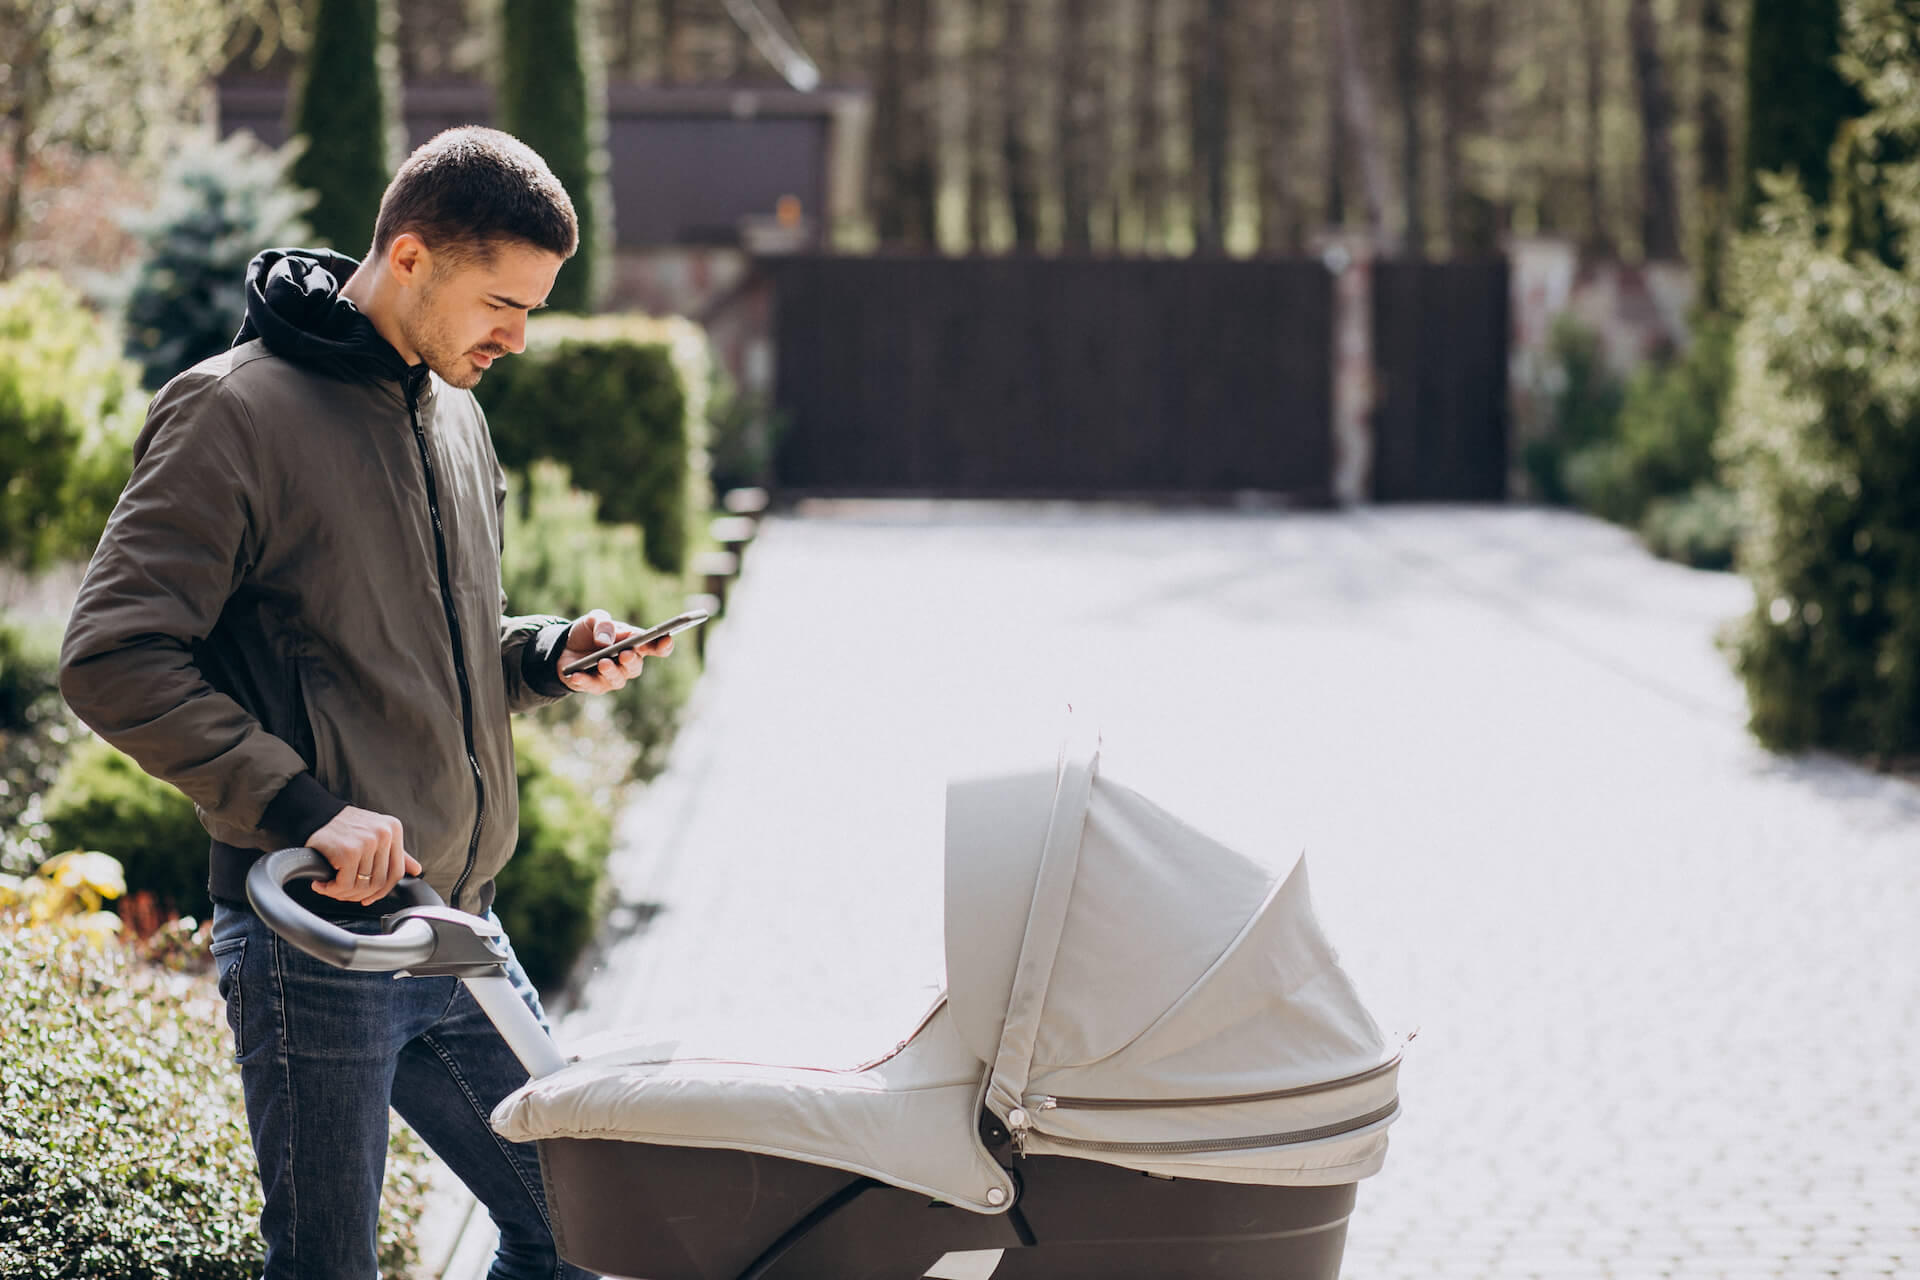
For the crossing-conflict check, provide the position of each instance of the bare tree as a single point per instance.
(1016, 143)
(1660, 214)
(1150, 159)
(1076, 119)
(1205, 48)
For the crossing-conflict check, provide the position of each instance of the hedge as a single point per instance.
(621, 401)
(123, 1141)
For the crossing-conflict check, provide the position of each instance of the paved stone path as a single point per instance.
(1666, 985)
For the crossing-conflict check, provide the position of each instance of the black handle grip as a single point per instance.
(410, 945)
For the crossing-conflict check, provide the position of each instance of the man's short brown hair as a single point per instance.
(467, 190)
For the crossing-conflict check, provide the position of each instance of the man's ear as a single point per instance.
(409, 260)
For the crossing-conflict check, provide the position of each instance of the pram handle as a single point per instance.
(409, 944)
(426, 939)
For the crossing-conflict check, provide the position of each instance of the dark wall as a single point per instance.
(1054, 376)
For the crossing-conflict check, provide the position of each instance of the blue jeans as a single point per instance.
(322, 1054)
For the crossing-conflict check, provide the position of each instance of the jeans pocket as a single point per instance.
(228, 955)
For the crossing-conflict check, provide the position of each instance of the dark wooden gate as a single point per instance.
(1053, 377)
(1440, 362)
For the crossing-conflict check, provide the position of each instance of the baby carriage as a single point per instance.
(1147, 1063)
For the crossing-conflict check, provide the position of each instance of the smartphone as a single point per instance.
(670, 627)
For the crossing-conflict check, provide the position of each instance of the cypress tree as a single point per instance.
(553, 99)
(1797, 99)
(346, 109)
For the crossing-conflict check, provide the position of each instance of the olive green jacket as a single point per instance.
(296, 604)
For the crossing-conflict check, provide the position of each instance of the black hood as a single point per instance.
(294, 306)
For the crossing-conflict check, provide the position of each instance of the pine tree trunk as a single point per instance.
(1408, 72)
(1276, 125)
(1022, 165)
(1075, 121)
(983, 64)
(1716, 145)
(1150, 164)
(1206, 52)
(1660, 216)
(1598, 241)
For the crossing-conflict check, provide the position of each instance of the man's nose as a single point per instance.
(513, 334)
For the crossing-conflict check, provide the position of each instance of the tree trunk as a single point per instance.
(1276, 127)
(1206, 51)
(1075, 117)
(1716, 145)
(1150, 164)
(1598, 241)
(1356, 101)
(1660, 216)
(1407, 70)
(30, 93)
(1023, 186)
(902, 139)
(982, 66)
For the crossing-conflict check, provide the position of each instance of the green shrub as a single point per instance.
(70, 407)
(35, 730)
(1824, 445)
(551, 896)
(220, 203)
(123, 1139)
(1661, 442)
(621, 402)
(1584, 408)
(1699, 528)
(560, 559)
(104, 801)
(745, 430)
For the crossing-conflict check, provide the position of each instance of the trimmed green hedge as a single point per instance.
(123, 1139)
(561, 559)
(552, 894)
(621, 401)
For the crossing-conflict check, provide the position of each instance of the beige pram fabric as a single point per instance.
(1145, 997)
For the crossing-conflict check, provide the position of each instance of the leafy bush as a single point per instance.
(560, 559)
(35, 730)
(123, 1139)
(70, 407)
(621, 402)
(1661, 443)
(220, 203)
(551, 896)
(1584, 408)
(1699, 528)
(103, 800)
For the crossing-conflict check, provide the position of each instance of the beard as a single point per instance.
(430, 334)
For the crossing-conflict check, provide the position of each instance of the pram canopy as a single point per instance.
(1121, 988)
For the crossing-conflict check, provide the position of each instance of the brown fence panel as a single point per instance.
(1067, 377)
(1440, 333)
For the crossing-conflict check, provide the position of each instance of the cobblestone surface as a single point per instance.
(1666, 985)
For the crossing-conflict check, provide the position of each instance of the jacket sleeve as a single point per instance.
(530, 644)
(179, 543)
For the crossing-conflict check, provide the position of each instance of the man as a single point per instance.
(295, 616)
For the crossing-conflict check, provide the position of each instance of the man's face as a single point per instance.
(467, 314)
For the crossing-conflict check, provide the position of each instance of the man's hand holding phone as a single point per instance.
(596, 633)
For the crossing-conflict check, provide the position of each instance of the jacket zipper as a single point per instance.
(459, 650)
(1204, 1145)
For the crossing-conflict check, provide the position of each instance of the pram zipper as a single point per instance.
(1205, 1145)
(1049, 1102)
(1020, 1121)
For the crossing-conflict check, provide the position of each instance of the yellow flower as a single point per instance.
(85, 871)
(98, 926)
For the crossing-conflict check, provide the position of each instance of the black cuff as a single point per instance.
(540, 660)
(302, 808)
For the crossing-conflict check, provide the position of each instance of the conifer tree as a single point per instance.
(346, 109)
(553, 99)
(1796, 96)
